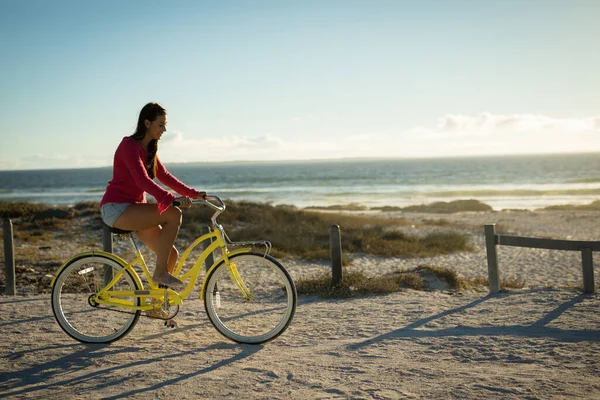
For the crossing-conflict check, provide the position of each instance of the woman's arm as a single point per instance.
(133, 158)
(165, 177)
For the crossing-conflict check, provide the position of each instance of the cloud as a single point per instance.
(453, 135)
(487, 124)
(52, 161)
(177, 147)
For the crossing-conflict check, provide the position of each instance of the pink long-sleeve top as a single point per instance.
(131, 182)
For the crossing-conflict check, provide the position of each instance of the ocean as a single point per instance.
(503, 182)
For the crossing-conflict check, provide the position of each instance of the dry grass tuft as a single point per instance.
(593, 206)
(305, 234)
(443, 207)
(356, 283)
(423, 277)
(338, 207)
(14, 209)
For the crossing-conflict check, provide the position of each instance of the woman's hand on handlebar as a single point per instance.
(183, 202)
(201, 196)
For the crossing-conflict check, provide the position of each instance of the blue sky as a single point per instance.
(280, 80)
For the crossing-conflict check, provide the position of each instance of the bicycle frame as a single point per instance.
(248, 295)
(106, 296)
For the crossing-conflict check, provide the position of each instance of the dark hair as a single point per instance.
(149, 112)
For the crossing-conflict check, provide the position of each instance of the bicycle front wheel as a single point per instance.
(77, 314)
(250, 300)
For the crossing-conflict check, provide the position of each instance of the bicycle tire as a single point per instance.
(266, 315)
(76, 282)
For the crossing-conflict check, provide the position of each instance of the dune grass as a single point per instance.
(293, 232)
(593, 206)
(33, 224)
(442, 207)
(13, 209)
(305, 234)
(423, 277)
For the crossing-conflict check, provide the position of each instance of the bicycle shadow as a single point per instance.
(28, 380)
(538, 329)
(25, 321)
(168, 331)
(80, 359)
(23, 300)
(247, 351)
(6, 302)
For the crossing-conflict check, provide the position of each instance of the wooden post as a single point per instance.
(587, 262)
(107, 242)
(107, 245)
(492, 258)
(335, 239)
(209, 260)
(9, 257)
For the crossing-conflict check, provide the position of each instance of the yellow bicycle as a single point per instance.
(249, 297)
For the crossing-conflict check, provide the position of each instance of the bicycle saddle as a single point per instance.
(117, 230)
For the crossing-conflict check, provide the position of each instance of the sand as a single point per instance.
(539, 342)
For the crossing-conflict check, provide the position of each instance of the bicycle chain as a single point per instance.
(133, 313)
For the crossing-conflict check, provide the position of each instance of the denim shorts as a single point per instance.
(112, 211)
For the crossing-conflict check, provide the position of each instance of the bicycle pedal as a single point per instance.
(171, 323)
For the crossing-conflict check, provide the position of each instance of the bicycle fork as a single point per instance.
(235, 276)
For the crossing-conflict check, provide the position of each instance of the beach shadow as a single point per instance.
(558, 311)
(22, 300)
(170, 331)
(538, 329)
(28, 380)
(25, 321)
(411, 327)
(19, 354)
(29, 319)
(50, 316)
(247, 350)
(80, 359)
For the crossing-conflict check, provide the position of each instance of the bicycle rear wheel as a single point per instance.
(264, 312)
(75, 313)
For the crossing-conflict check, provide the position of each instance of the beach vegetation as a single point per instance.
(505, 283)
(443, 207)
(423, 277)
(293, 232)
(18, 209)
(357, 283)
(340, 207)
(593, 206)
(304, 234)
(41, 230)
(439, 207)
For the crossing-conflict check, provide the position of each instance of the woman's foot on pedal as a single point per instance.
(168, 280)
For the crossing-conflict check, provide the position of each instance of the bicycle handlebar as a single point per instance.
(220, 208)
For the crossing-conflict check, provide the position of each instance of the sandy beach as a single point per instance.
(539, 342)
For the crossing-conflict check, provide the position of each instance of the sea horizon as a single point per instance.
(332, 160)
(503, 182)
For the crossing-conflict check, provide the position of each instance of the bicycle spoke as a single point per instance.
(71, 294)
(256, 302)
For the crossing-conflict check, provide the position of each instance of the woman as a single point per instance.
(124, 204)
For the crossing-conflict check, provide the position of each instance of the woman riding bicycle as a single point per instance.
(124, 205)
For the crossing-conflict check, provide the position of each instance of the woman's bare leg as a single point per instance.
(151, 238)
(139, 217)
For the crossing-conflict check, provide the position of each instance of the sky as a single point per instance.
(294, 80)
